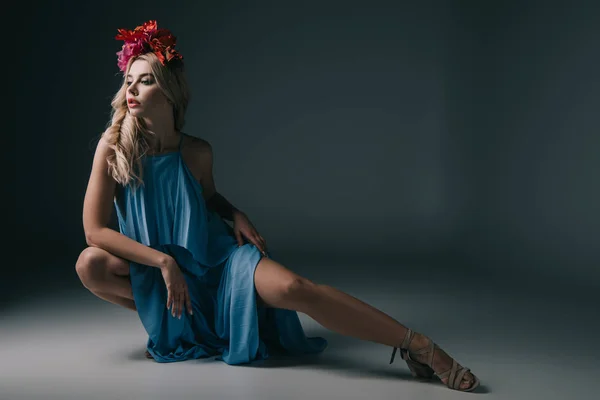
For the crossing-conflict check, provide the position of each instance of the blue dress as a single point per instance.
(168, 213)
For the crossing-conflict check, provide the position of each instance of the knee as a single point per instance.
(89, 267)
(298, 290)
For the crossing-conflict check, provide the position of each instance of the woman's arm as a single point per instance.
(201, 165)
(221, 206)
(97, 209)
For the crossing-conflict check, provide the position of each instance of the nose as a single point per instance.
(132, 89)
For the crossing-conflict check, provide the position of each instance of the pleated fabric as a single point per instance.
(168, 213)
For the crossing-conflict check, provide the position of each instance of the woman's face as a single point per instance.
(144, 97)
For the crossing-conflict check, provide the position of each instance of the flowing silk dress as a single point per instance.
(168, 213)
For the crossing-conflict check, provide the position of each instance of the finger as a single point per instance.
(259, 238)
(261, 245)
(238, 236)
(257, 243)
(169, 298)
(175, 303)
(188, 302)
(264, 243)
(181, 304)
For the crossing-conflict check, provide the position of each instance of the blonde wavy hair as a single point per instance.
(127, 135)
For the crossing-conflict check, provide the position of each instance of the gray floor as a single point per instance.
(524, 340)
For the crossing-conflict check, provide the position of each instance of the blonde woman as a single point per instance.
(200, 287)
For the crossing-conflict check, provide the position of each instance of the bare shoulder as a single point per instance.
(197, 154)
(103, 147)
(197, 145)
(98, 200)
(101, 155)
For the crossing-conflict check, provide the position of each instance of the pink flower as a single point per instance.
(144, 39)
(129, 49)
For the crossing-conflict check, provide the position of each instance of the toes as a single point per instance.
(467, 382)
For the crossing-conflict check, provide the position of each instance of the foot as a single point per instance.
(441, 362)
(148, 355)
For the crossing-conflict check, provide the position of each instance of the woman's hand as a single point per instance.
(243, 226)
(177, 290)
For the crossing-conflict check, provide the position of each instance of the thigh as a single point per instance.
(95, 257)
(273, 281)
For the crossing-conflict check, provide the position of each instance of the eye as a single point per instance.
(143, 81)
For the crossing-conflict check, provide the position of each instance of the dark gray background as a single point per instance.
(354, 134)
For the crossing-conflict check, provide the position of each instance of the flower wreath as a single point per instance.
(147, 38)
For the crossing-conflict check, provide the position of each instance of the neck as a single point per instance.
(165, 135)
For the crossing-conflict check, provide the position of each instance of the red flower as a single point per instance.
(144, 39)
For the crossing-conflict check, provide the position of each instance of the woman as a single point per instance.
(200, 287)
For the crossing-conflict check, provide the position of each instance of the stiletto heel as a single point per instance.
(419, 370)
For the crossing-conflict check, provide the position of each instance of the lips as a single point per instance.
(132, 102)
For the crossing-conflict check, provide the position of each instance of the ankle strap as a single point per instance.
(407, 339)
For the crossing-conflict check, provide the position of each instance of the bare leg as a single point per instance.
(281, 288)
(335, 310)
(120, 301)
(106, 275)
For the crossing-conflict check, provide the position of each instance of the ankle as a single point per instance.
(418, 342)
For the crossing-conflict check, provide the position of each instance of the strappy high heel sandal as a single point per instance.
(419, 370)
